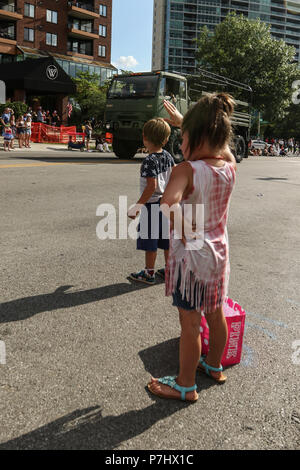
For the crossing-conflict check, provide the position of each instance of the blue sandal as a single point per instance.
(171, 382)
(206, 368)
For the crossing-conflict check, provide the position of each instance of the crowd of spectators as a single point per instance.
(46, 117)
(19, 127)
(276, 147)
(16, 128)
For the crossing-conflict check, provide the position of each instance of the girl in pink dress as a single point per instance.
(198, 266)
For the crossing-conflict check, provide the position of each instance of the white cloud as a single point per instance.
(124, 63)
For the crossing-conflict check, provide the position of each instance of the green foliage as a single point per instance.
(90, 97)
(18, 107)
(289, 126)
(245, 51)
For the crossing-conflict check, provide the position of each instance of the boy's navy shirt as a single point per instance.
(159, 166)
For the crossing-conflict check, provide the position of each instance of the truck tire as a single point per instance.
(173, 146)
(239, 148)
(123, 149)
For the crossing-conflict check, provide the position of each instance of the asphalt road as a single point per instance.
(81, 341)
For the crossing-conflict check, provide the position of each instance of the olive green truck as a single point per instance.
(133, 99)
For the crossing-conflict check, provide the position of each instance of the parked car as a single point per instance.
(259, 144)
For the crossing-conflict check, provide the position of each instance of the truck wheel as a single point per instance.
(173, 146)
(124, 149)
(239, 148)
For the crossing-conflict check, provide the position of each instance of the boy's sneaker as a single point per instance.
(143, 276)
(161, 273)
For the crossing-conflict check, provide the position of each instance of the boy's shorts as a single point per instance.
(153, 228)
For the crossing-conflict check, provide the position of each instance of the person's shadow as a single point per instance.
(26, 307)
(89, 429)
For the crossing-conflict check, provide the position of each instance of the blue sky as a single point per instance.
(132, 34)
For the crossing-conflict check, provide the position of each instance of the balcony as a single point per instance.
(83, 10)
(79, 47)
(82, 32)
(8, 11)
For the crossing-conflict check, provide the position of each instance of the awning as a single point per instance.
(79, 60)
(30, 53)
(40, 76)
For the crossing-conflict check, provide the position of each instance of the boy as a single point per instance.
(155, 172)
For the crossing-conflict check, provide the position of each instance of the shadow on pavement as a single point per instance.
(163, 359)
(89, 157)
(26, 307)
(270, 178)
(88, 429)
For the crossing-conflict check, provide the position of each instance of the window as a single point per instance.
(102, 10)
(81, 47)
(102, 30)
(51, 39)
(28, 34)
(29, 10)
(51, 16)
(102, 51)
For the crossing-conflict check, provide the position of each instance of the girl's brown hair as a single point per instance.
(209, 120)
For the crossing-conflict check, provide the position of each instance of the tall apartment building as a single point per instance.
(76, 34)
(176, 24)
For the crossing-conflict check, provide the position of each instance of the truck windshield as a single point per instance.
(137, 86)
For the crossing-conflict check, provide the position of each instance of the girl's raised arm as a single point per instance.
(175, 116)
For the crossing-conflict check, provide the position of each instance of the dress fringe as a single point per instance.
(205, 296)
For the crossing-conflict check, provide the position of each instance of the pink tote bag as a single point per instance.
(235, 318)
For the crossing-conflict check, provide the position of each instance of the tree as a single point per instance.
(289, 126)
(18, 107)
(245, 51)
(90, 97)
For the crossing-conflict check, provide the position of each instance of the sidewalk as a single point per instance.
(46, 147)
(38, 147)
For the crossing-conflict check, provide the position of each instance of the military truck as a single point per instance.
(135, 98)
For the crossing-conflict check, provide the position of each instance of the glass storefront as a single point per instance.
(73, 69)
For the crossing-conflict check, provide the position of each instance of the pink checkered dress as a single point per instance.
(204, 271)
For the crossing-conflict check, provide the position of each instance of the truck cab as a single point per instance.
(134, 99)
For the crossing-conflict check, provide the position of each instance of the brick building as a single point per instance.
(76, 34)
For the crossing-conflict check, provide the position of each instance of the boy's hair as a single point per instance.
(209, 120)
(157, 131)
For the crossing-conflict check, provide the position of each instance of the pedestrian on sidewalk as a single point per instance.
(12, 123)
(88, 134)
(28, 121)
(21, 129)
(102, 145)
(198, 265)
(7, 138)
(55, 119)
(154, 176)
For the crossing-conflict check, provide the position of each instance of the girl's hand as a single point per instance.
(175, 116)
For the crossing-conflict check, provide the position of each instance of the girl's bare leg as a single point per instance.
(190, 346)
(189, 355)
(218, 333)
